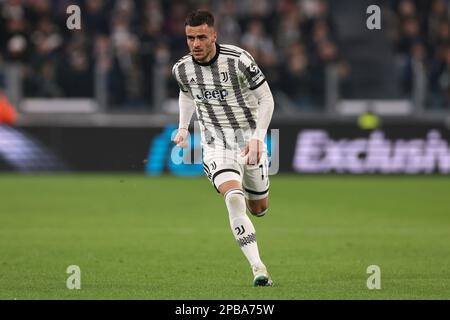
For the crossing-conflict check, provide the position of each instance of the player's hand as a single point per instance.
(253, 151)
(181, 138)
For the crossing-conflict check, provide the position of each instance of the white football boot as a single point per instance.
(262, 278)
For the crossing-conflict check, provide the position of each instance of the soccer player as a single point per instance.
(234, 106)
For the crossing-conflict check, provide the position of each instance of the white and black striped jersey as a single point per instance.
(222, 89)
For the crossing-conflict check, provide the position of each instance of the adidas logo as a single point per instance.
(192, 81)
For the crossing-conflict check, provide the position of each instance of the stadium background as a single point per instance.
(98, 106)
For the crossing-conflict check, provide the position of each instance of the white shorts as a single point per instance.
(253, 178)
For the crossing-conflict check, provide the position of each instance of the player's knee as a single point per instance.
(227, 186)
(258, 209)
(235, 202)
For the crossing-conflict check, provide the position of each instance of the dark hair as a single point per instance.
(199, 17)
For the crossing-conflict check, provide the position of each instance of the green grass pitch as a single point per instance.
(138, 237)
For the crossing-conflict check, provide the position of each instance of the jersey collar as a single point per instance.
(210, 62)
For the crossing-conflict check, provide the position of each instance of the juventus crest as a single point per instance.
(224, 76)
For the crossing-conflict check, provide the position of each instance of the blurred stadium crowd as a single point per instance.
(422, 37)
(292, 40)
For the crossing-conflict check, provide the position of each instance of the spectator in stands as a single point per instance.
(327, 55)
(76, 75)
(290, 30)
(442, 36)
(407, 10)
(252, 10)
(296, 77)
(16, 31)
(410, 35)
(126, 46)
(227, 22)
(96, 17)
(440, 81)
(437, 15)
(174, 26)
(46, 41)
(416, 59)
(261, 46)
(44, 82)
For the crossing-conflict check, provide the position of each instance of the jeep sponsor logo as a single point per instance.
(316, 152)
(212, 94)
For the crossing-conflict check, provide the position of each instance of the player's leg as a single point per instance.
(258, 207)
(256, 187)
(226, 173)
(243, 229)
(241, 225)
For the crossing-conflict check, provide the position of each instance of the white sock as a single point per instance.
(241, 226)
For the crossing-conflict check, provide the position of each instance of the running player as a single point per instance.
(234, 105)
